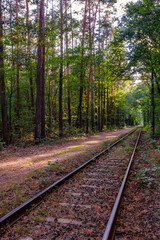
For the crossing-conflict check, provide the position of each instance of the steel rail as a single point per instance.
(109, 233)
(15, 213)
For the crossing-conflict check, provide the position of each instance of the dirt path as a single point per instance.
(16, 162)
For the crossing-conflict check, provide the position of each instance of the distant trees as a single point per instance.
(140, 28)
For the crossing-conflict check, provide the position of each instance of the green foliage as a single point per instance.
(2, 145)
(147, 128)
(140, 30)
(148, 162)
(112, 102)
(147, 176)
(53, 166)
(42, 181)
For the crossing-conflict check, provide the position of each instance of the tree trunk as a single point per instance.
(68, 85)
(104, 106)
(40, 104)
(29, 55)
(61, 73)
(157, 83)
(90, 68)
(2, 84)
(49, 103)
(152, 105)
(102, 88)
(108, 108)
(99, 84)
(101, 106)
(87, 111)
(12, 76)
(43, 133)
(17, 73)
(82, 69)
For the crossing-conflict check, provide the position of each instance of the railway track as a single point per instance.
(80, 207)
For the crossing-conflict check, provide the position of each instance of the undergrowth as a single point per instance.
(148, 162)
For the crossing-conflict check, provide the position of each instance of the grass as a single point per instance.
(128, 148)
(22, 229)
(70, 149)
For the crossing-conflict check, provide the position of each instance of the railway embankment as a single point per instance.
(139, 216)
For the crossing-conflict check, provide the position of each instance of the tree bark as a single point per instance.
(68, 84)
(103, 120)
(157, 83)
(2, 84)
(40, 103)
(12, 76)
(90, 68)
(61, 73)
(99, 84)
(82, 69)
(18, 90)
(152, 105)
(43, 132)
(108, 108)
(29, 55)
(87, 111)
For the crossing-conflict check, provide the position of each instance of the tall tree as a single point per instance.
(91, 44)
(82, 68)
(68, 83)
(99, 69)
(61, 72)
(12, 67)
(152, 105)
(40, 101)
(90, 67)
(29, 67)
(2, 83)
(43, 133)
(17, 70)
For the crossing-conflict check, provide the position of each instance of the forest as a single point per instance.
(72, 67)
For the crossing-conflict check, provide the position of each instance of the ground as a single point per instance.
(16, 162)
(139, 215)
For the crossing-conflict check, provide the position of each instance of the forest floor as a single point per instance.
(26, 171)
(139, 217)
(16, 162)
